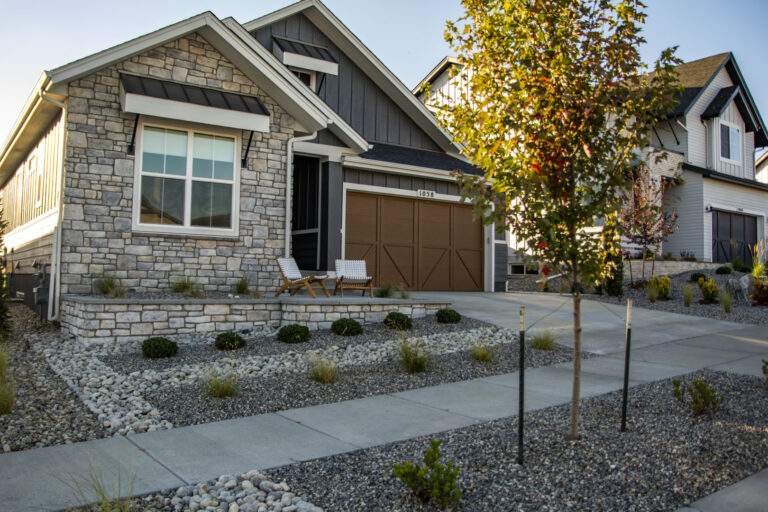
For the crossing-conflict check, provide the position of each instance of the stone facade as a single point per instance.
(97, 237)
(664, 268)
(94, 320)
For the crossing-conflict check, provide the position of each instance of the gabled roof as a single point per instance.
(364, 58)
(441, 67)
(694, 76)
(266, 72)
(419, 158)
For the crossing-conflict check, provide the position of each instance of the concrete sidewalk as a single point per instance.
(40, 479)
(749, 495)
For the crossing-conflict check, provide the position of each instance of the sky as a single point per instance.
(407, 35)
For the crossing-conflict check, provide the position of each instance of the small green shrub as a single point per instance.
(222, 387)
(398, 321)
(323, 371)
(703, 397)
(765, 369)
(108, 285)
(543, 341)
(7, 396)
(709, 290)
(662, 285)
(481, 353)
(413, 358)
(241, 287)
(760, 292)
(687, 295)
(723, 270)
(727, 301)
(448, 316)
(432, 482)
(158, 347)
(740, 266)
(695, 276)
(387, 291)
(187, 287)
(347, 327)
(293, 333)
(652, 293)
(229, 341)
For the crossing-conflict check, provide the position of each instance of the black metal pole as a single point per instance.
(627, 351)
(521, 398)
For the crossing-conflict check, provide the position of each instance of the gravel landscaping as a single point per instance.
(187, 405)
(666, 460)
(742, 311)
(47, 412)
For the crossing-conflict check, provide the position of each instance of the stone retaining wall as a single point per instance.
(94, 320)
(664, 268)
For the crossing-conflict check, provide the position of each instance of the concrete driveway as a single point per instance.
(603, 324)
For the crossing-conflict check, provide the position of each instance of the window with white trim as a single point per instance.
(730, 142)
(308, 78)
(187, 181)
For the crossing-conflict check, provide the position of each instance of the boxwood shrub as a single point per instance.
(229, 341)
(398, 321)
(448, 316)
(158, 347)
(347, 327)
(695, 276)
(293, 333)
(723, 270)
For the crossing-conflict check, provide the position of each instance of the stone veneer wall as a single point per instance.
(99, 179)
(665, 268)
(100, 320)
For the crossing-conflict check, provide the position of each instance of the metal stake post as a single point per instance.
(522, 388)
(626, 367)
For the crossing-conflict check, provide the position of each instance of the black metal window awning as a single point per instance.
(301, 48)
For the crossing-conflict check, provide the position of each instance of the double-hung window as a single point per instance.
(730, 143)
(187, 181)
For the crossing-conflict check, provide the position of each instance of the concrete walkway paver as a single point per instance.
(36, 480)
(748, 495)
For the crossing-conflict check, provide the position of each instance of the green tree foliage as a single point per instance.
(556, 103)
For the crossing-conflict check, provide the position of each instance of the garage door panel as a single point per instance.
(425, 245)
(733, 236)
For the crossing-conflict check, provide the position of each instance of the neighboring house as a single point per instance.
(761, 168)
(207, 149)
(710, 140)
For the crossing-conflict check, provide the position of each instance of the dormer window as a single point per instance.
(306, 77)
(730, 143)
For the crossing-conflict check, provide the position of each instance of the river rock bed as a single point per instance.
(666, 460)
(47, 411)
(189, 405)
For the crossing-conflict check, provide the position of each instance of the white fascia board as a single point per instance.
(338, 126)
(32, 230)
(303, 62)
(411, 170)
(169, 109)
(332, 153)
(350, 44)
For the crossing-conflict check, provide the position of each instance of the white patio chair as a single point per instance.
(352, 275)
(293, 280)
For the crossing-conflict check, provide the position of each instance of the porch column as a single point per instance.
(334, 219)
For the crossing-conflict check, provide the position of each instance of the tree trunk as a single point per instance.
(642, 267)
(576, 395)
(631, 275)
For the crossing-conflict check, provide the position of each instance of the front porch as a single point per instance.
(99, 319)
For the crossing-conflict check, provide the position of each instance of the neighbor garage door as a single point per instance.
(422, 245)
(733, 236)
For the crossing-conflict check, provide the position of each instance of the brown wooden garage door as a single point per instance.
(421, 245)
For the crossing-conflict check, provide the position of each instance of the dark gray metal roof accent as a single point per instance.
(305, 49)
(420, 158)
(720, 176)
(192, 94)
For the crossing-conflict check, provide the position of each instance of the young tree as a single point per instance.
(643, 220)
(557, 100)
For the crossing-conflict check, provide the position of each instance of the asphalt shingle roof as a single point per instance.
(420, 158)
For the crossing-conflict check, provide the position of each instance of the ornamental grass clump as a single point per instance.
(398, 321)
(687, 295)
(7, 386)
(347, 327)
(765, 370)
(229, 341)
(448, 316)
(432, 482)
(727, 302)
(158, 347)
(481, 353)
(293, 333)
(709, 290)
(543, 341)
(108, 285)
(187, 287)
(241, 287)
(388, 291)
(662, 285)
(414, 358)
(702, 397)
(323, 371)
(222, 387)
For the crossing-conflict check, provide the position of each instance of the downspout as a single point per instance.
(53, 287)
(289, 188)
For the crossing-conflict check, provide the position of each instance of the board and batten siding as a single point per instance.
(351, 94)
(724, 196)
(746, 169)
(687, 200)
(30, 200)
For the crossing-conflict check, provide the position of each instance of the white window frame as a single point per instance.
(741, 143)
(312, 76)
(187, 228)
